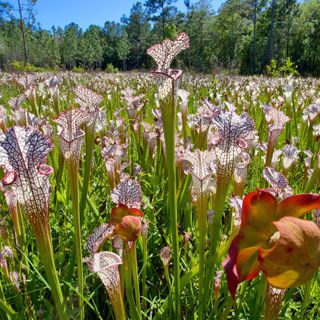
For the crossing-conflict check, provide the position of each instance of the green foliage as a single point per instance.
(272, 69)
(21, 67)
(91, 47)
(78, 69)
(69, 48)
(287, 69)
(242, 37)
(162, 12)
(111, 69)
(306, 44)
(123, 48)
(138, 31)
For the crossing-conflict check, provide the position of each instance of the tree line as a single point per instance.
(243, 36)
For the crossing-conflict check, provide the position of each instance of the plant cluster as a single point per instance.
(287, 69)
(160, 195)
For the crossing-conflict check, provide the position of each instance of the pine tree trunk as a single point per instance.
(23, 34)
(163, 22)
(254, 40)
(271, 32)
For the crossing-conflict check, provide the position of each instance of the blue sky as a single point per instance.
(84, 12)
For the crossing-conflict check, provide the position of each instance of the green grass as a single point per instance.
(34, 297)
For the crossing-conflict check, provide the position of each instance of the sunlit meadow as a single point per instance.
(161, 195)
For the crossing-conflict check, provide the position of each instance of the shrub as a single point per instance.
(78, 69)
(289, 68)
(285, 70)
(21, 67)
(272, 69)
(111, 69)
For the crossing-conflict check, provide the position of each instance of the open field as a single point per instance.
(83, 150)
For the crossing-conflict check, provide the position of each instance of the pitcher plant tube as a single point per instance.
(202, 171)
(23, 154)
(89, 102)
(106, 265)
(124, 227)
(70, 141)
(167, 81)
(233, 135)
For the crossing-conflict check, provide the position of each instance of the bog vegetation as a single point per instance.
(159, 195)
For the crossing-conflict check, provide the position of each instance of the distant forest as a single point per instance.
(243, 36)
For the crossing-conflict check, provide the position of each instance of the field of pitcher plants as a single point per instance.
(160, 195)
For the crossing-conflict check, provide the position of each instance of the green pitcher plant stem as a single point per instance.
(202, 222)
(144, 268)
(73, 173)
(128, 286)
(89, 146)
(135, 276)
(169, 124)
(20, 229)
(215, 230)
(44, 244)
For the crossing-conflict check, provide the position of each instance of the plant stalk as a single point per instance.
(44, 244)
(215, 229)
(135, 276)
(128, 286)
(73, 172)
(169, 125)
(144, 270)
(89, 144)
(117, 304)
(202, 219)
(270, 150)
